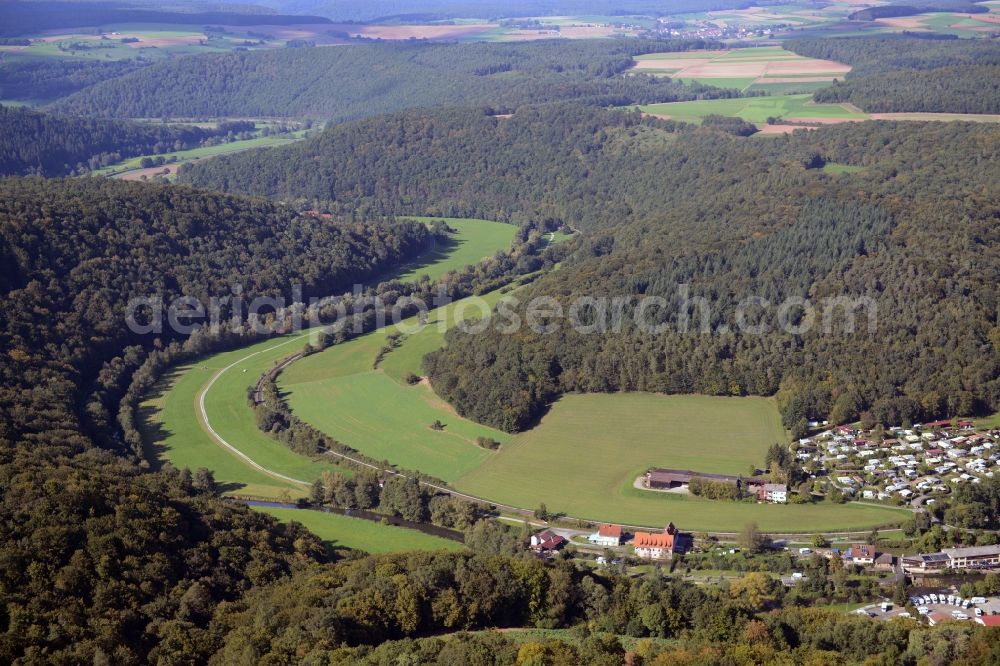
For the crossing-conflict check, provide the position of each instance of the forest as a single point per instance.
(660, 205)
(912, 9)
(322, 83)
(48, 80)
(34, 143)
(903, 74)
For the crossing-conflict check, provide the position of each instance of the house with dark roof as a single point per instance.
(546, 542)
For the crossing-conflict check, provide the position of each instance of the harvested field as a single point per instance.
(808, 66)
(741, 68)
(907, 22)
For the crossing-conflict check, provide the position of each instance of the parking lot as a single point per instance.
(937, 606)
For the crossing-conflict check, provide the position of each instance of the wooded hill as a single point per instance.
(44, 144)
(900, 74)
(661, 205)
(349, 82)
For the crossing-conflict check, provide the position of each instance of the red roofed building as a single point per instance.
(989, 620)
(860, 553)
(547, 542)
(653, 546)
(609, 536)
(943, 423)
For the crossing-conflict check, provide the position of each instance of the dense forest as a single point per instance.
(660, 205)
(48, 80)
(323, 82)
(334, 614)
(898, 74)
(913, 8)
(33, 143)
(110, 559)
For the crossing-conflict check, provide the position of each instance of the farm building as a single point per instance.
(675, 478)
(609, 536)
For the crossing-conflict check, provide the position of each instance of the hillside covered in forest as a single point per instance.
(662, 205)
(910, 74)
(363, 80)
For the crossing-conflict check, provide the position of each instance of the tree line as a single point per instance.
(44, 144)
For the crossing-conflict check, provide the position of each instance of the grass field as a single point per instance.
(376, 412)
(584, 456)
(174, 431)
(122, 168)
(474, 241)
(581, 459)
(755, 109)
(360, 534)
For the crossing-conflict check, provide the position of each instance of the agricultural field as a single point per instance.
(346, 532)
(950, 23)
(153, 41)
(176, 432)
(797, 109)
(768, 68)
(585, 454)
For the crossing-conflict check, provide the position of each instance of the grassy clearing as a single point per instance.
(835, 167)
(754, 109)
(372, 537)
(376, 412)
(182, 156)
(172, 433)
(584, 456)
(175, 432)
(474, 241)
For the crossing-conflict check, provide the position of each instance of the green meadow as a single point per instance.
(375, 411)
(473, 241)
(582, 459)
(753, 109)
(346, 532)
(585, 454)
(181, 156)
(176, 433)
